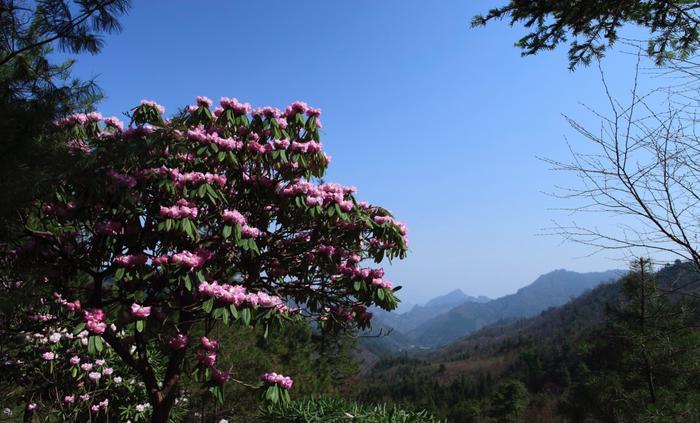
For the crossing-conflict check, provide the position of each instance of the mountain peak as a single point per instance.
(453, 297)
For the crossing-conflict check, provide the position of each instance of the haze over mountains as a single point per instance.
(452, 316)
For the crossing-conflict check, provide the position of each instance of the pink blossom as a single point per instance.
(74, 360)
(48, 356)
(86, 367)
(203, 101)
(250, 232)
(234, 216)
(94, 376)
(178, 341)
(113, 121)
(181, 209)
(207, 358)
(69, 399)
(31, 406)
(99, 362)
(94, 320)
(140, 312)
(194, 260)
(131, 260)
(284, 382)
(237, 107)
(208, 344)
(107, 371)
(154, 105)
(220, 376)
(122, 178)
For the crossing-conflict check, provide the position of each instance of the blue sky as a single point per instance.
(440, 123)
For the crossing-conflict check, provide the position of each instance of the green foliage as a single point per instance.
(34, 91)
(508, 403)
(590, 27)
(584, 361)
(331, 410)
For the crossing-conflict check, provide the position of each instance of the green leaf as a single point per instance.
(119, 274)
(224, 315)
(380, 293)
(91, 345)
(272, 393)
(188, 283)
(78, 328)
(140, 324)
(357, 285)
(98, 344)
(234, 311)
(227, 231)
(208, 305)
(245, 315)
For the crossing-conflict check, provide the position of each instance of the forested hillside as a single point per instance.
(555, 365)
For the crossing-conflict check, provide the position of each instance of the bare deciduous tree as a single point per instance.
(643, 167)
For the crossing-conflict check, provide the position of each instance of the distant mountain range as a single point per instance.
(449, 317)
(544, 350)
(419, 314)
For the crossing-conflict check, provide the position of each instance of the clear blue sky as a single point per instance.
(436, 121)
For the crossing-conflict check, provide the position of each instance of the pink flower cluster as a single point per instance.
(321, 195)
(121, 178)
(130, 260)
(206, 357)
(181, 179)
(238, 295)
(284, 382)
(78, 118)
(113, 121)
(94, 320)
(237, 107)
(178, 341)
(227, 144)
(188, 259)
(181, 209)
(139, 311)
(234, 216)
(208, 344)
(70, 306)
(203, 101)
(306, 147)
(153, 104)
(373, 276)
(220, 376)
(382, 283)
(58, 210)
(102, 404)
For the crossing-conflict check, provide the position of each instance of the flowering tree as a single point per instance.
(168, 231)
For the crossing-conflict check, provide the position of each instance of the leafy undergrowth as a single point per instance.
(332, 410)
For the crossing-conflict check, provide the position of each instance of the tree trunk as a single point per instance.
(162, 409)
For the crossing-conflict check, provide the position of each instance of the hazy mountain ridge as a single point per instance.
(549, 290)
(454, 315)
(419, 314)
